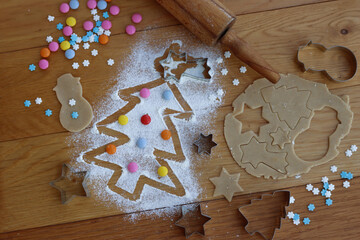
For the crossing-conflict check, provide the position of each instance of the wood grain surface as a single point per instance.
(33, 147)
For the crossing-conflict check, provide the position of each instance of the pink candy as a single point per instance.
(43, 64)
(133, 167)
(91, 4)
(114, 10)
(53, 46)
(106, 24)
(130, 29)
(88, 25)
(67, 31)
(136, 18)
(64, 8)
(145, 93)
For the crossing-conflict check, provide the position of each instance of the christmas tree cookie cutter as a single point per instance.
(351, 58)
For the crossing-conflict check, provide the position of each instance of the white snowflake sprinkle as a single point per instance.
(290, 215)
(94, 52)
(298, 176)
(235, 82)
(110, 61)
(101, 31)
(316, 191)
(78, 40)
(328, 194)
(107, 33)
(346, 184)
(92, 38)
(331, 187)
(348, 153)
(86, 63)
(219, 60)
(224, 71)
(75, 65)
(353, 148)
(38, 100)
(291, 200)
(309, 187)
(93, 11)
(86, 45)
(96, 18)
(243, 69)
(325, 179)
(49, 39)
(220, 92)
(72, 102)
(296, 222)
(227, 54)
(333, 168)
(50, 18)
(76, 47)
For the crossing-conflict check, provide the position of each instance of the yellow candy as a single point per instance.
(65, 45)
(71, 21)
(162, 171)
(123, 120)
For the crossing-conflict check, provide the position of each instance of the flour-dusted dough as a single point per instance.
(288, 106)
(69, 87)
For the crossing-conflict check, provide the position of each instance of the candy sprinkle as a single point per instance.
(111, 149)
(123, 120)
(162, 171)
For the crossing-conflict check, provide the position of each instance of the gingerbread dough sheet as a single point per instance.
(288, 106)
(69, 88)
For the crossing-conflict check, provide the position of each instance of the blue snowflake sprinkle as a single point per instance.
(85, 38)
(27, 103)
(73, 37)
(48, 112)
(349, 176)
(98, 23)
(326, 186)
(95, 30)
(74, 115)
(59, 26)
(96, 38)
(343, 174)
(328, 202)
(105, 15)
(306, 221)
(296, 217)
(311, 207)
(61, 39)
(32, 67)
(72, 42)
(323, 192)
(89, 33)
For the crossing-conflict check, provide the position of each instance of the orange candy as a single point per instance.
(103, 39)
(108, 0)
(166, 134)
(45, 52)
(110, 149)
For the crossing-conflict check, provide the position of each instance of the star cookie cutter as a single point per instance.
(192, 209)
(321, 47)
(205, 144)
(70, 176)
(241, 209)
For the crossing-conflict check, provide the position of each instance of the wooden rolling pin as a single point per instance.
(211, 21)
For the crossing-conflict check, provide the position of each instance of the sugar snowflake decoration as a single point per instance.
(227, 54)
(311, 207)
(296, 216)
(94, 52)
(86, 63)
(235, 82)
(110, 61)
(243, 69)
(306, 221)
(105, 15)
(328, 202)
(224, 71)
(86, 45)
(353, 148)
(74, 115)
(48, 112)
(291, 200)
(38, 100)
(107, 33)
(59, 26)
(325, 179)
(76, 47)
(96, 17)
(219, 60)
(290, 215)
(50, 18)
(27, 103)
(331, 187)
(92, 38)
(346, 184)
(101, 31)
(78, 40)
(75, 65)
(309, 187)
(296, 222)
(32, 67)
(49, 39)
(328, 194)
(93, 11)
(333, 168)
(348, 153)
(316, 191)
(72, 102)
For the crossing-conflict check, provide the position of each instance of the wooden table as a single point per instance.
(33, 147)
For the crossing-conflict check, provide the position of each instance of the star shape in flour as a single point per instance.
(280, 138)
(226, 184)
(49, 39)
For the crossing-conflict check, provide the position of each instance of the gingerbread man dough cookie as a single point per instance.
(288, 106)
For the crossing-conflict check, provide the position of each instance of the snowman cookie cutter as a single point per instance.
(351, 58)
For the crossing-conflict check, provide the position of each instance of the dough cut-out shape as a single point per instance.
(271, 153)
(226, 184)
(67, 88)
(204, 143)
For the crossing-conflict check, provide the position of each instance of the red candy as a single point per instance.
(146, 119)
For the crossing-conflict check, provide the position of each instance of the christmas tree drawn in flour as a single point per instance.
(175, 67)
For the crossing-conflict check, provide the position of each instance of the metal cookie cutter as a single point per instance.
(260, 199)
(321, 47)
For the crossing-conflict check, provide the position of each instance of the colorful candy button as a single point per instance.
(64, 8)
(130, 29)
(136, 18)
(103, 39)
(114, 10)
(65, 45)
(123, 120)
(67, 31)
(144, 93)
(91, 4)
(71, 21)
(141, 143)
(53, 46)
(132, 167)
(166, 134)
(43, 64)
(70, 54)
(162, 171)
(45, 52)
(106, 24)
(111, 149)
(102, 4)
(88, 25)
(74, 4)
(167, 95)
(146, 119)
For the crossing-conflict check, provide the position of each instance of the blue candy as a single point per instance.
(74, 4)
(74, 115)
(141, 143)
(69, 54)
(167, 95)
(102, 4)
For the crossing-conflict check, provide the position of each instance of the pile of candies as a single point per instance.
(97, 31)
(141, 142)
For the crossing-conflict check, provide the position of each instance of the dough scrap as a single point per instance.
(69, 87)
(288, 106)
(226, 184)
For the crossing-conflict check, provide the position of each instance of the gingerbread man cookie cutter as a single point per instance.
(321, 47)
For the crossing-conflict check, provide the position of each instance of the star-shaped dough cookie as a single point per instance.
(226, 184)
(280, 138)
